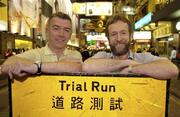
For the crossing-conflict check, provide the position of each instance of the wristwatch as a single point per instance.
(38, 64)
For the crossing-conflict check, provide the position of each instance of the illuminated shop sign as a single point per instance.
(178, 25)
(3, 26)
(98, 8)
(93, 8)
(145, 20)
(97, 37)
(23, 44)
(79, 8)
(142, 35)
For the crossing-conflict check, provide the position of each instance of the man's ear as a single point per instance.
(47, 25)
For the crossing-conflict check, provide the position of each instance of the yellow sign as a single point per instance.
(19, 43)
(88, 96)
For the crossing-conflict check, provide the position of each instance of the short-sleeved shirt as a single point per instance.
(173, 54)
(45, 54)
(145, 57)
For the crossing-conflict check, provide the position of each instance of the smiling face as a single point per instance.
(58, 32)
(119, 38)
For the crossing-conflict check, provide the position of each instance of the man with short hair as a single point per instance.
(53, 58)
(121, 59)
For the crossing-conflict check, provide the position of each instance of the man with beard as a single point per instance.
(53, 58)
(121, 59)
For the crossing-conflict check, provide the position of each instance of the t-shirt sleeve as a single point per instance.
(30, 54)
(102, 54)
(147, 57)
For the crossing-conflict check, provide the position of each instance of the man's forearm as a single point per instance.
(14, 66)
(54, 67)
(160, 69)
(103, 65)
(14, 59)
(60, 67)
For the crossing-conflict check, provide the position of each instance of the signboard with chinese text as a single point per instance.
(88, 96)
(145, 35)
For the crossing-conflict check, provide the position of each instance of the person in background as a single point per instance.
(118, 30)
(139, 50)
(154, 52)
(145, 49)
(173, 53)
(8, 53)
(53, 58)
(37, 46)
(84, 53)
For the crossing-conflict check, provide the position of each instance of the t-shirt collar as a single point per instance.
(48, 51)
(130, 55)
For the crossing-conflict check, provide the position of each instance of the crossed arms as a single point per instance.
(19, 67)
(160, 69)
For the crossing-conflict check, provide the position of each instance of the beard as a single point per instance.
(120, 49)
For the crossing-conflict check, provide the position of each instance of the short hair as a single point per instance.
(115, 18)
(174, 47)
(59, 15)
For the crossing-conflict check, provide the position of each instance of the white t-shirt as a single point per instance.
(173, 54)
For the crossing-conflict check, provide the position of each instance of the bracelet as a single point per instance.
(38, 64)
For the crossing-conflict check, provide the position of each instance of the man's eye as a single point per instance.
(123, 32)
(55, 28)
(113, 34)
(67, 30)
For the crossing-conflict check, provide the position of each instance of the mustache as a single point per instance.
(120, 42)
(118, 52)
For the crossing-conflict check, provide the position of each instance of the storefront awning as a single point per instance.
(169, 12)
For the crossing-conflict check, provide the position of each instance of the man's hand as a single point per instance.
(130, 65)
(17, 69)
